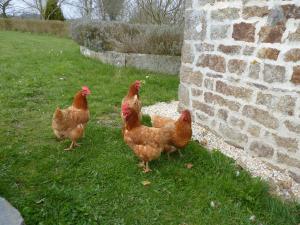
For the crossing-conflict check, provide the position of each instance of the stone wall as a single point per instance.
(155, 63)
(240, 75)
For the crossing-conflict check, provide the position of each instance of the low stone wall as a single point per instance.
(154, 63)
(240, 75)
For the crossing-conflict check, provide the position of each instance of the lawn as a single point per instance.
(99, 182)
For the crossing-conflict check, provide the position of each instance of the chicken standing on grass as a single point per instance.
(70, 122)
(133, 99)
(146, 142)
(181, 130)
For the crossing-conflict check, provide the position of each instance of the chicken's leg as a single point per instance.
(141, 164)
(71, 146)
(180, 154)
(146, 168)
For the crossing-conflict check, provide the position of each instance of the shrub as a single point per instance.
(53, 11)
(128, 38)
(57, 28)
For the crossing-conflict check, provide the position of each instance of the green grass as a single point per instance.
(99, 182)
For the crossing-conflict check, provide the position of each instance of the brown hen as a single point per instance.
(70, 122)
(146, 142)
(181, 130)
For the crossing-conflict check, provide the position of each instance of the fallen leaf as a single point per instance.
(189, 165)
(40, 201)
(146, 182)
(252, 218)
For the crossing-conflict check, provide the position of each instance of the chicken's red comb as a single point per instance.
(85, 88)
(137, 84)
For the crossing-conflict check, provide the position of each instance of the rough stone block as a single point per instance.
(230, 90)
(213, 62)
(235, 122)
(230, 49)
(209, 110)
(290, 144)
(225, 14)
(248, 50)
(292, 126)
(195, 25)
(261, 149)
(287, 160)
(219, 32)
(292, 55)
(268, 53)
(271, 34)
(273, 73)
(196, 92)
(291, 11)
(183, 95)
(222, 114)
(244, 32)
(202, 47)
(234, 136)
(216, 99)
(187, 55)
(296, 75)
(254, 130)
(295, 36)
(201, 117)
(267, 100)
(188, 76)
(209, 84)
(286, 105)
(254, 70)
(237, 66)
(255, 11)
(261, 116)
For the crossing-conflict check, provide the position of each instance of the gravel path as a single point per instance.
(281, 183)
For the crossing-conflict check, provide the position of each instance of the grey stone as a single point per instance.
(235, 122)
(233, 135)
(261, 149)
(222, 114)
(219, 32)
(292, 126)
(183, 95)
(226, 13)
(283, 158)
(248, 50)
(9, 215)
(273, 73)
(254, 130)
(254, 70)
(261, 116)
(276, 15)
(195, 25)
(155, 63)
(291, 144)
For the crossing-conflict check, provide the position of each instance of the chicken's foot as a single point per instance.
(146, 168)
(71, 146)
